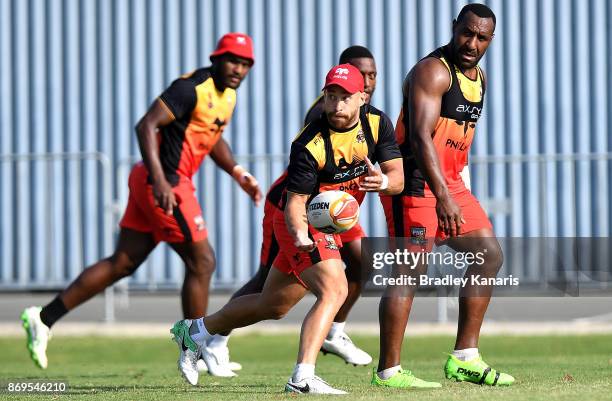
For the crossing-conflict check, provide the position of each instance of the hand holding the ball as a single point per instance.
(375, 180)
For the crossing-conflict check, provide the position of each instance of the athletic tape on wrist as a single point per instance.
(238, 172)
(385, 182)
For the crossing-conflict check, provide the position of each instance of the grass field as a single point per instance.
(546, 368)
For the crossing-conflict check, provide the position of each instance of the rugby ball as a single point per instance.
(333, 212)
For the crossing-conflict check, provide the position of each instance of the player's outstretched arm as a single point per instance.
(146, 131)
(428, 82)
(223, 157)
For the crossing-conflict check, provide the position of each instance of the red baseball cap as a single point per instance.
(236, 43)
(346, 76)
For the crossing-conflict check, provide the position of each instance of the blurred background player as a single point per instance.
(443, 100)
(337, 341)
(343, 139)
(360, 57)
(180, 128)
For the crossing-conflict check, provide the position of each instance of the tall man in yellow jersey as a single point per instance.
(443, 100)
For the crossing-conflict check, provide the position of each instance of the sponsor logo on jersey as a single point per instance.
(352, 186)
(351, 173)
(473, 111)
(458, 145)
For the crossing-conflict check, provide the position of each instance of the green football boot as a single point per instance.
(475, 371)
(402, 379)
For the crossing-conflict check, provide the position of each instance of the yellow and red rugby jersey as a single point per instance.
(459, 112)
(324, 159)
(201, 113)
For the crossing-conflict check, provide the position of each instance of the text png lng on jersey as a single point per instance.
(201, 113)
(324, 159)
(459, 112)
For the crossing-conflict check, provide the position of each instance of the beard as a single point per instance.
(341, 120)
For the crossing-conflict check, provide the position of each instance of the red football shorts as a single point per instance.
(269, 245)
(415, 217)
(186, 223)
(290, 260)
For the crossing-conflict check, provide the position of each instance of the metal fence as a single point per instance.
(60, 231)
(56, 228)
(545, 195)
(76, 75)
(46, 231)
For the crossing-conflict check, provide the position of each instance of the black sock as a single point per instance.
(53, 311)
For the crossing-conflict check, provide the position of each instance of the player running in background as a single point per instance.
(331, 152)
(180, 128)
(337, 341)
(443, 100)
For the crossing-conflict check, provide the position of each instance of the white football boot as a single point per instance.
(217, 361)
(38, 335)
(342, 346)
(189, 351)
(311, 385)
(234, 366)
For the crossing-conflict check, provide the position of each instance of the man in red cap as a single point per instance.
(182, 126)
(337, 342)
(336, 150)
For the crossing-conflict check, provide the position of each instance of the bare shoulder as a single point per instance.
(430, 74)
